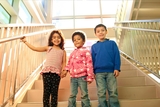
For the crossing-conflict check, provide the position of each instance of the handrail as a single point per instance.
(139, 63)
(15, 70)
(18, 37)
(140, 40)
(133, 21)
(148, 30)
(22, 25)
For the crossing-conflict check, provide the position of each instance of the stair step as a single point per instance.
(140, 103)
(60, 104)
(127, 67)
(131, 89)
(131, 81)
(137, 92)
(94, 103)
(125, 81)
(63, 84)
(123, 73)
(128, 73)
(134, 92)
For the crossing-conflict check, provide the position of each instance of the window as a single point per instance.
(84, 13)
(87, 23)
(109, 6)
(87, 7)
(24, 13)
(10, 2)
(4, 16)
(43, 7)
(64, 23)
(62, 8)
(109, 22)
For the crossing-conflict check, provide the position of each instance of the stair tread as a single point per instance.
(95, 87)
(120, 100)
(132, 90)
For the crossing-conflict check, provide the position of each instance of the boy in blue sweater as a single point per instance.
(106, 62)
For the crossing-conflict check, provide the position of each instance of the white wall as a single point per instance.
(89, 32)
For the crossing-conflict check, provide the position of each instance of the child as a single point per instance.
(55, 62)
(106, 62)
(81, 70)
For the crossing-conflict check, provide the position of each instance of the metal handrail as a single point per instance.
(137, 25)
(23, 25)
(130, 28)
(133, 21)
(18, 37)
(137, 62)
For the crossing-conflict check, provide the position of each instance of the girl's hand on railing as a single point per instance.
(23, 39)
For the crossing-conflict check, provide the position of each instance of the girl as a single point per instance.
(81, 70)
(55, 62)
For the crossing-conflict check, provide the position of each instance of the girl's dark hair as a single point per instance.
(80, 33)
(100, 25)
(61, 45)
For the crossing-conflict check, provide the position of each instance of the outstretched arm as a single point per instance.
(38, 49)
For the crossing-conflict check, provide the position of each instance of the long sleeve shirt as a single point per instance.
(105, 56)
(80, 64)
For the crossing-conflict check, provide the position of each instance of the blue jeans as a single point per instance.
(107, 81)
(82, 84)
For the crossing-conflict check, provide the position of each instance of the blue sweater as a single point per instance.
(105, 56)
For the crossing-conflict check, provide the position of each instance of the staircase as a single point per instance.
(132, 88)
(146, 9)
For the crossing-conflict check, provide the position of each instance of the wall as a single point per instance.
(89, 32)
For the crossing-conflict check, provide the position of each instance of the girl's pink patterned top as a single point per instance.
(53, 61)
(80, 64)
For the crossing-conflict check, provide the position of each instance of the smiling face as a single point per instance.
(56, 39)
(78, 41)
(100, 32)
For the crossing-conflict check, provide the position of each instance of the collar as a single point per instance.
(80, 48)
(104, 40)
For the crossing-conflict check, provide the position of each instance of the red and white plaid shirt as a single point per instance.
(80, 64)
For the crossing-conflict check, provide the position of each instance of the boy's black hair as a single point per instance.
(100, 25)
(81, 34)
(50, 43)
